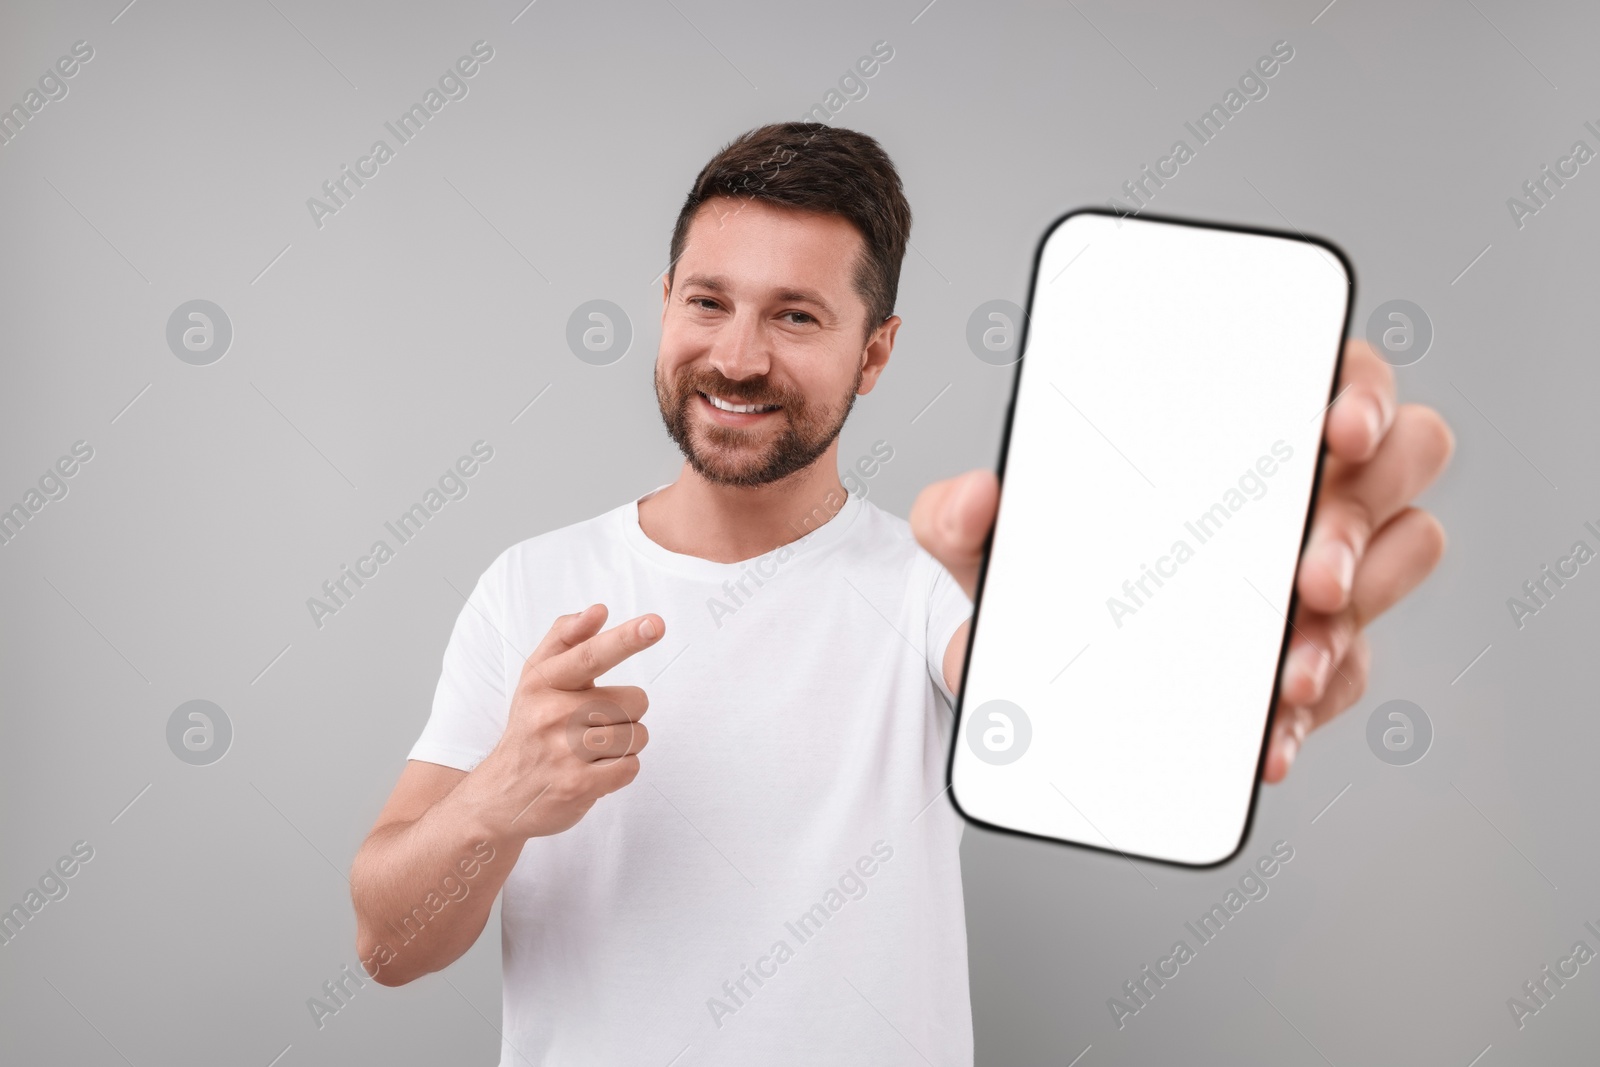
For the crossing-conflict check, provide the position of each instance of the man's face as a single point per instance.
(761, 310)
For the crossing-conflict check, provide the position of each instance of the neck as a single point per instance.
(730, 523)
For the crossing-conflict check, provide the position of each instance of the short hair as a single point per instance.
(812, 166)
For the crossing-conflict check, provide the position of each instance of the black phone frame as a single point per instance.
(1305, 533)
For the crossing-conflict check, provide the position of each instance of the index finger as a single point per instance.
(1363, 409)
(579, 666)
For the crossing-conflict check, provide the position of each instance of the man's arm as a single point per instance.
(433, 831)
(567, 743)
(951, 519)
(955, 655)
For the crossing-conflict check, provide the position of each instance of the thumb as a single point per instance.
(952, 519)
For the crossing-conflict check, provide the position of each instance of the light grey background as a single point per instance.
(370, 353)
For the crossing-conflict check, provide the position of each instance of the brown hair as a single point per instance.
(816, 167)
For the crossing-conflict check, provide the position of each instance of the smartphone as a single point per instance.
(1159, 466)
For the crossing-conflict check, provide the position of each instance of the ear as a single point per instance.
(666, 294)
(876, 355)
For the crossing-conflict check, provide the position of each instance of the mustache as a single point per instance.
(752, 392)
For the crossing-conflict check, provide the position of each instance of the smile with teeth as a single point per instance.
(740, 409)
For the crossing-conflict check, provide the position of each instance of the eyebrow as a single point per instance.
(718, 284)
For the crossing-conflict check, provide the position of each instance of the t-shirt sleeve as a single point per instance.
(948, 607)
(470, 702)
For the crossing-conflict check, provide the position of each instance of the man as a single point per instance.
(779, 881)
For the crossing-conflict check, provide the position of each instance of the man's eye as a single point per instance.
(703, 302)
(803, 318)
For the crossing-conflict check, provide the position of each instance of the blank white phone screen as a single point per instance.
(1157, 479)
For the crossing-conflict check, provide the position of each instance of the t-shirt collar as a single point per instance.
(806, 545)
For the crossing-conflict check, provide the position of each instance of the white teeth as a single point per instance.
(718, 402)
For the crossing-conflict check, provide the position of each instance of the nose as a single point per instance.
(741, 348)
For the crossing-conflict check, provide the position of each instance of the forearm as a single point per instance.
(423, 889)
(955, 656)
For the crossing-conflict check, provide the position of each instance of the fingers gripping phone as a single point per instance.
(1158, 471)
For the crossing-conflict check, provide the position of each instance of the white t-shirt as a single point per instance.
(781, 883)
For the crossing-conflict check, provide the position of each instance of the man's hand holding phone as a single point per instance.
(1368, 546)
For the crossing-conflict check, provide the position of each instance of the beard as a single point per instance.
(734, 455)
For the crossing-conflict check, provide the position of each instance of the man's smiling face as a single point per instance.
(761, 315)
